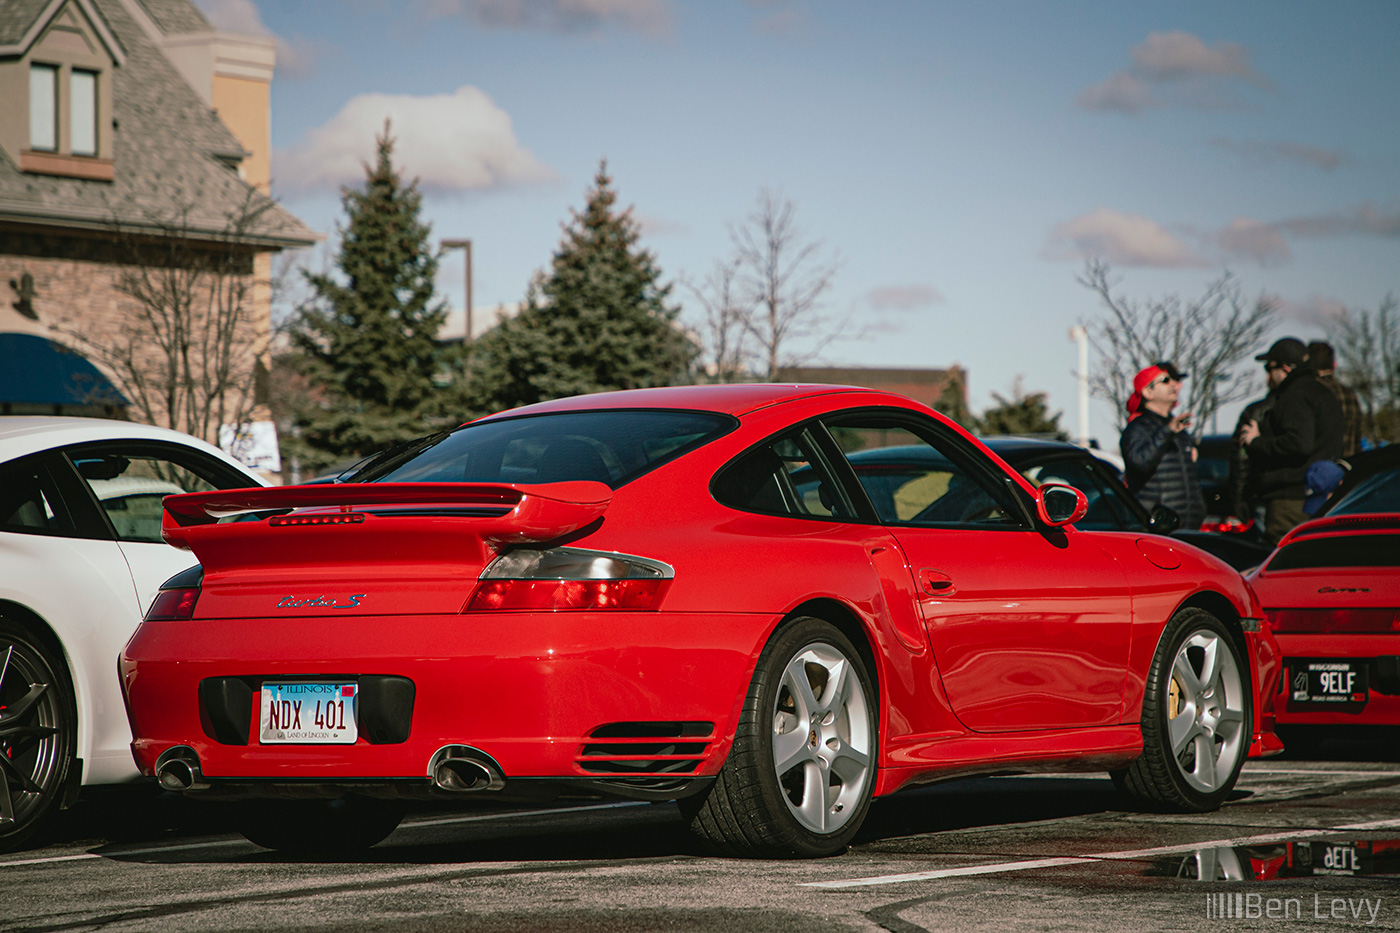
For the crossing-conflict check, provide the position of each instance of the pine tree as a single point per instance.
(369, 334)
(598, 321)
(1025, 413)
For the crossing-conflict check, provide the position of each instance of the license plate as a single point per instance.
(302, 713)
(1330, 683)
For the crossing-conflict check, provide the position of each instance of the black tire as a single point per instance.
(812, 803)
(1196, 718)
(319, 827)
(38, 734)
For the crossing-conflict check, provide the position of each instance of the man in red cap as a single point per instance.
(1159, 455)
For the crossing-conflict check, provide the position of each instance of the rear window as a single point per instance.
(612, 447)
(1380, 493)
(1346, 551)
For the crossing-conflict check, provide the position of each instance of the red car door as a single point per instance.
(1030, 626)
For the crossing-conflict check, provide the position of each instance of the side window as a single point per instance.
(1107, 511)
(914, 476)
(130, 487)
(30, 502)
(786, 476)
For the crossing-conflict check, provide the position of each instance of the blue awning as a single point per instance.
(37, 371)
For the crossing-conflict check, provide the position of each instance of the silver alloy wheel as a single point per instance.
(1205, 711)
(822, 738)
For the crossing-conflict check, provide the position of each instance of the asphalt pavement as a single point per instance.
(1303, 844)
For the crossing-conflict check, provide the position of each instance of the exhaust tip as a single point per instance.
(462, 769)
(177, 769)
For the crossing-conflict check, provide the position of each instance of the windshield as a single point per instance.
(612, 447)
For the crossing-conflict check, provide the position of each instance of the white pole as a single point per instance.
(1078, 334)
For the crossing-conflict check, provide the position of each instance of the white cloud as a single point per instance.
(1366, 220)
(295, 57)
(240, 16)
(1254, 240)
(456, 141)
(1264, 152)
(1121, 92)
(1173, 56)
(903, 297)
(649, 17)
(1121, 239)
(1179, 69)
(1314, 311)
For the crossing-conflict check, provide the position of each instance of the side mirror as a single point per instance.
(1060, 505)
(1163, 520)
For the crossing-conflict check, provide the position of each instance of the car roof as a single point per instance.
(26, 434)
(732, 399)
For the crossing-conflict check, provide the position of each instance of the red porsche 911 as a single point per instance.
(1331, 591)
(715, 595)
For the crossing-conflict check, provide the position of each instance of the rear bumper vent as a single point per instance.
(645, 748)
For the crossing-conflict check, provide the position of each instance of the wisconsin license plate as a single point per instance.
(308, 714)
(1331, 683)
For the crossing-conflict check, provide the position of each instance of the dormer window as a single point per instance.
(82, 97)
(43, 108)
(67, 61)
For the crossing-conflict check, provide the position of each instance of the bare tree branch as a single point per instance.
(186, 349)
(724, 335)
(782, 279)
(1367, 346)
(1211, 338)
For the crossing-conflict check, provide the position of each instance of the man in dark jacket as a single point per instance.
(1323, 361)
(1158, 454)
(1305, 424)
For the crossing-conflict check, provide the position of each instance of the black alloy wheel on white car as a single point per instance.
(38, 733)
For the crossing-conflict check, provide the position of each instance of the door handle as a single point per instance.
(935, 582)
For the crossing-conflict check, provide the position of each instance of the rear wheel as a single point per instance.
(1195, 718)
(799, 778)
(38, 733)
(319, 827)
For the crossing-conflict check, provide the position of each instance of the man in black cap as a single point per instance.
(1302, 426)
(1324, 362)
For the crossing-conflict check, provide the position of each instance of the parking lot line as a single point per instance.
(1125, 855)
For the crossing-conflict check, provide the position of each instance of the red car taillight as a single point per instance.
(1229, 526)
(566, 594)
(570, 578)
(173, 605)
(1286, 621)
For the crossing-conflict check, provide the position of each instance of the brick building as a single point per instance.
(134, 140)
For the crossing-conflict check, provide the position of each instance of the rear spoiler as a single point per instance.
(500, 513)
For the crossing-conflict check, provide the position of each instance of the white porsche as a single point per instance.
(81, 558)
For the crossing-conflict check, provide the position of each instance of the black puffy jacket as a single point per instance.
(1304, 424)
(1159, 467)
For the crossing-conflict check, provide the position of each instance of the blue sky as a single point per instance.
(961, 159)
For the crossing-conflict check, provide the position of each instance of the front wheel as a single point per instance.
(319, 827)
(38, 734)
(1196, 716)
(799, 778)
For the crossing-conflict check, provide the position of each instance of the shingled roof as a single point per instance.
(175, 16)
(172, 156)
